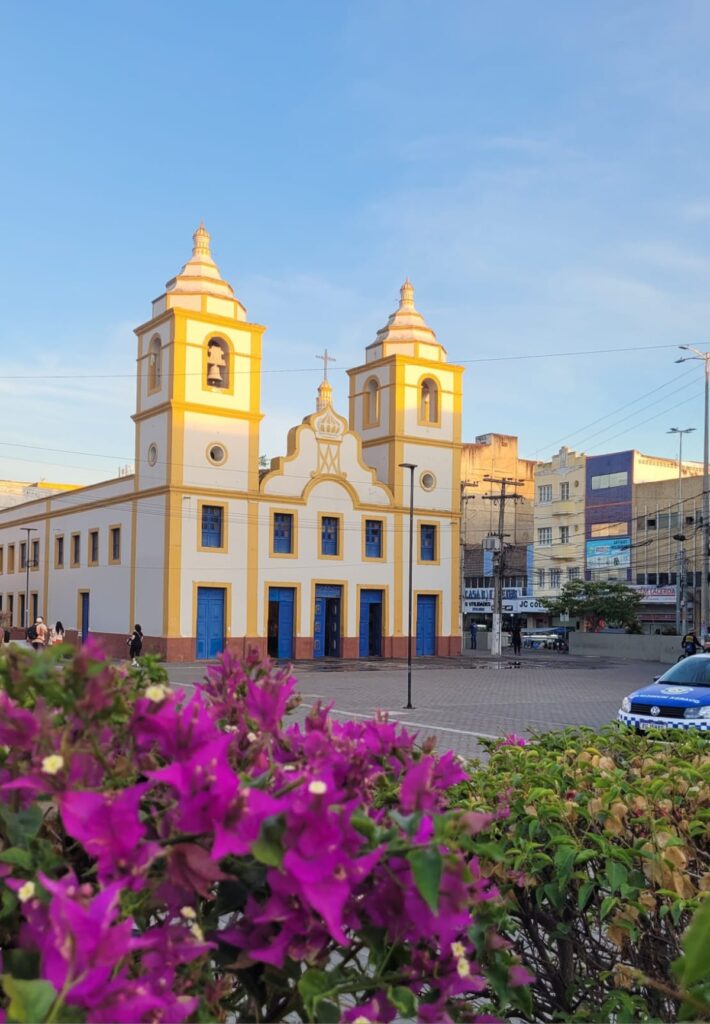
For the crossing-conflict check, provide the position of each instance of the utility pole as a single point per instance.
(499, 562)
(680, 613)
(462, 555)
(704, 357)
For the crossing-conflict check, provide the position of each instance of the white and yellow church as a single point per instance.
(207, 550)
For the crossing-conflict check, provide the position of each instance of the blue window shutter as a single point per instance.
(428, 543)
(329, 535)
(283, 533)
(211, 526)
(373, 538)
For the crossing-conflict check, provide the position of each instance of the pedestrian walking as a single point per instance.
(517, 638)
(474, 636)
(38, 634)
(57, 633)
(135, 644)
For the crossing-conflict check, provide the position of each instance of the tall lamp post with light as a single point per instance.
(704, 357)
(411, 467)
(680, 603)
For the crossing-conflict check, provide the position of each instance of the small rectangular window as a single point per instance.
(663, 579)
(11, 608)
(544, 535)
(427, 538)
(34, 606)
(373, 538)
(212, 520)
(75, 549)
(59, 553)
(555, 578)
(329, 535)
(564, 535)
(640, 579)
(652, 579)
(35, 554)
(564, 492)
(23, 617)
(541, 578)
(283, 533)
(93, 547)
(23, 555)
(573, 573)
(2, 553)
(11, 558)
(115, 542)
(545, 492)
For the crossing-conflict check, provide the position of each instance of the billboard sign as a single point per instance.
(609, 553)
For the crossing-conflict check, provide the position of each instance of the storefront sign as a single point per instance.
(656, 595)
(479, 600)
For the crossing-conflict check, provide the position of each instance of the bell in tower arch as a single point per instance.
(217, 364)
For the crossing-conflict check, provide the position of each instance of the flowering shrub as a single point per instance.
(174, 857)
(604, 857)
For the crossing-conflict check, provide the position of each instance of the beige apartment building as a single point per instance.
(558, 520)
(661, 513)
(496, 456)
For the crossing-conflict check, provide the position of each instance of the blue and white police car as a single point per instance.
(679, 699)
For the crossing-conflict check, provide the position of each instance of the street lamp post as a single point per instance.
(680, 602)
(411, 467)
(704, 357)
(28, 530)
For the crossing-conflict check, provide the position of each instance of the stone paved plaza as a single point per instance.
(460, 700)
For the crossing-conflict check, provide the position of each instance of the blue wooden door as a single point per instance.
(370, 623)
(282, 602)
(84, 616)
(210, 621)
(326, 621)
(426, 624)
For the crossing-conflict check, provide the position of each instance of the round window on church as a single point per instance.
(217, 454)
(427, 481)
(152, 454)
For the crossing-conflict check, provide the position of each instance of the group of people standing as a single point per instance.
(40, 635)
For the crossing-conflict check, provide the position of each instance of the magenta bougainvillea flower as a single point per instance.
(204, 859)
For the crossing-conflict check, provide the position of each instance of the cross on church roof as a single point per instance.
(326, 359)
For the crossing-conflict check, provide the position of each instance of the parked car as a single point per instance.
(679, 699)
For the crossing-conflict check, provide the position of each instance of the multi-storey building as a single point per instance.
(559, 511)
(496, 456)
(610, 483)
(662, 513)
(307, 559)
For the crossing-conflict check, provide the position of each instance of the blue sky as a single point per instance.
(540, 171)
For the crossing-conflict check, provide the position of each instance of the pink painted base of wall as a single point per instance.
(183, 648)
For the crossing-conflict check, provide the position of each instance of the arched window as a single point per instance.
(155, 367)
(372, 402)
(217, 363)
(429, 401)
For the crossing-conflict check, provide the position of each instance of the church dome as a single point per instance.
(406, 331)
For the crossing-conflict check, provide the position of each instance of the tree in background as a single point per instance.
(597, 601)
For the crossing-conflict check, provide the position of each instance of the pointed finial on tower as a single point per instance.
(406, 293)
(201, 241)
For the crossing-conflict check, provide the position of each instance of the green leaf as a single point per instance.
(617, 875)
(22, 826)
(8, 902)
(268, 849)
(565, 859)
(608, 904)
(30, 1001)
(427, 866)
(694, 965)
(364, 825)
(585, 892)
(327, 1012)
(313, 985)
(403, 998)
(17, 857)
(21, 963)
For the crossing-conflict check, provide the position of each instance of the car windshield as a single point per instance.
(690, 670)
